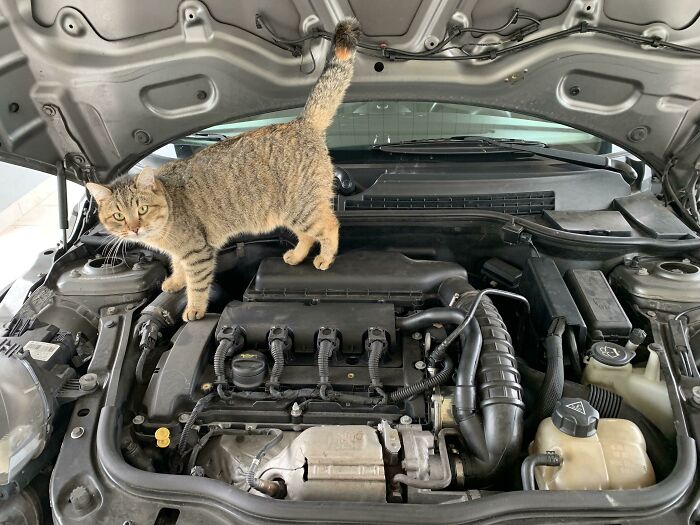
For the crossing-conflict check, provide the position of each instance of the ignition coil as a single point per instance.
(376, 344)
(327, 343)
(278, 341)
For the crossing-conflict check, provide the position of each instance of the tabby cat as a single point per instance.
(276, 176)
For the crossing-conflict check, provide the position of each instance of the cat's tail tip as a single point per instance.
(346, 38)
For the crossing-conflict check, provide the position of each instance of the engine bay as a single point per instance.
(388, 379)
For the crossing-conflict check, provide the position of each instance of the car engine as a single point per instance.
(386, 379)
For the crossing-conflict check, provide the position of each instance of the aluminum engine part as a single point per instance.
(341, 463)
(420, 460)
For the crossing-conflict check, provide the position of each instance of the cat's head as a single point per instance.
(133, 208)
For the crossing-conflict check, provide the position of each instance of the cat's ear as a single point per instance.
(99, 192)
(147, 179)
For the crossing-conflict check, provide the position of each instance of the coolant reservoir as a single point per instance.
(609, 366)
(596, 454)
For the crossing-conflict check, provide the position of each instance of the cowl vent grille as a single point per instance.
(523, 203)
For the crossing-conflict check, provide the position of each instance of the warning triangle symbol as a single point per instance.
(577, 406)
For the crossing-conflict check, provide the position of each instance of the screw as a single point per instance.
(13, 107)
(75, 273)
(651, 313)
(351, 375)
(419, 365)
(138, 420)
(77, 432)
(88, 382)
(207, 387)
(416, 336)
(183, 418)
(696, 395)
(110, 324)
(111, 310)
(638, 134)
(49, 110)
(201, 95)
(80, 498)
(642, 271)
(574, 91)
(137, 266)
(406, 419)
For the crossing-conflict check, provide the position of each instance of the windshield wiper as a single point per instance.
(468, 145)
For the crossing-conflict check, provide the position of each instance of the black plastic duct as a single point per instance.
(494, 436)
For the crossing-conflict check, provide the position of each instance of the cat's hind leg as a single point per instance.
(325, 231)
(301, 250)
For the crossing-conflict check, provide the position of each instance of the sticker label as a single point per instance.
(41, 351)
(578, 407)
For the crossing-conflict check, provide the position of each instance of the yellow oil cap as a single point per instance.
(162, 437)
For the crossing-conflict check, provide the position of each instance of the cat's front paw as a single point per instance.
(292, 258)
(172, 285)
(323, 263)
(194, 312)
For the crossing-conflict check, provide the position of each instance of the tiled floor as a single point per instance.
(35, 230)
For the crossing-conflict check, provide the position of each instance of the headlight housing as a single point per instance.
(24, 417)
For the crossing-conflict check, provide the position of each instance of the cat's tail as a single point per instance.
(330, 88)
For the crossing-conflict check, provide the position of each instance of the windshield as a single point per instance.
(360, 125)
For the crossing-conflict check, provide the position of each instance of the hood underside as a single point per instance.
(100, 84)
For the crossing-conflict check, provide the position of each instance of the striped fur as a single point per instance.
(276, 176)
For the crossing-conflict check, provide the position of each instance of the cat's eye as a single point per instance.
(119, 216)
(143, 209)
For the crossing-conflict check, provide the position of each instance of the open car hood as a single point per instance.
(97, 85)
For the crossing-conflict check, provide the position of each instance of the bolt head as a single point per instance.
(651, 313)
(182, 418)
(49, 110)
(207, 387)
(138, 420)
(75, 273)
(110, 324)
(77, 432)
(696, 394)
(419, 365)
(642, 271)
(417, 336)
(88, 382)
(406, 419)
(351, 375)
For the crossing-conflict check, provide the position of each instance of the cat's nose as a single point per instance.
(135, 229)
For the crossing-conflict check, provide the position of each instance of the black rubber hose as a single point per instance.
(553, 384)
(574, 355)
(421, 386)
(527, 470)
(464, 405)
(426, 318)
(500, 427)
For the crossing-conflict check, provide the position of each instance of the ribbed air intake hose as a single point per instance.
(495, 437)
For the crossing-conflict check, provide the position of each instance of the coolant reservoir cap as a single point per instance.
(611, 354)
(575, 417)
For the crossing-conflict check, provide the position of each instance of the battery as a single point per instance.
(597, 303)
